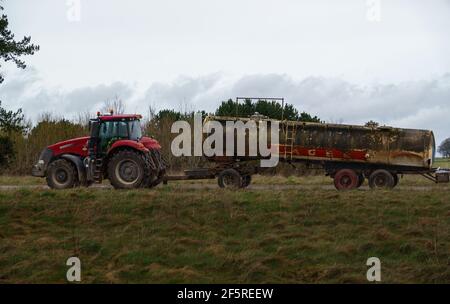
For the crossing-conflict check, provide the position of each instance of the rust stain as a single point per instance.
(393, 146)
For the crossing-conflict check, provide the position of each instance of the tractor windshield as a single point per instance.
(135, 130)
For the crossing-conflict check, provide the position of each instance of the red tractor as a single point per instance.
(115, 150)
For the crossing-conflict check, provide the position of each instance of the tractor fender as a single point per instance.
(126, 143)
(150, 143)
(76, 160)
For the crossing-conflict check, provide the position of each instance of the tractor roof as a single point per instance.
(119, 117)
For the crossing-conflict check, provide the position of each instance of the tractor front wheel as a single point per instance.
(126, 170)
(61, 174)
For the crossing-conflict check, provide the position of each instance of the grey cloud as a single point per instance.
(420, 104)
(182, 91)
(28, 93)
(87, 98)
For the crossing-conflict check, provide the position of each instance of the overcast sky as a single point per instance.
(339, 60)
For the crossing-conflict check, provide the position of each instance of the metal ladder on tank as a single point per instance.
(291, 129)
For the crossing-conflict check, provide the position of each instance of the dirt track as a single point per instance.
(199, 186)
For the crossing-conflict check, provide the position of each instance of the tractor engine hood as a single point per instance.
(77, 146)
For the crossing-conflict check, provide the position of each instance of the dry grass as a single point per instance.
(176, 235)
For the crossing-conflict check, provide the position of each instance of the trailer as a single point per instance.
(349, 154)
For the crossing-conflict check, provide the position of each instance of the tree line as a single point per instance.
(22, 142)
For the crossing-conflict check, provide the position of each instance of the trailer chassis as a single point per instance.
(235, 173)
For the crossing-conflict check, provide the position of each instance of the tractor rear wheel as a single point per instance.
(381, 179)
(346, 179)
(127, 170)
(61, 174)
(229, 178)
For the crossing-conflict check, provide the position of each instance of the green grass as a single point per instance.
(14, 180)
(177, 235)
(311, 180)
(442, 162)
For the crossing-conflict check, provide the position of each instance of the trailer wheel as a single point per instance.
(229, 178)
(381, 179)
(346, 179)
(61, 174)
(246, 180)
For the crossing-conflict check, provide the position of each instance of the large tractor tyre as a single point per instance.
(346, 179)
(61, 174)
(381, 179)
(229, 178)
(127, 170)
(246, 180)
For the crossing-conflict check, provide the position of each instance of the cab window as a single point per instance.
(111, 131)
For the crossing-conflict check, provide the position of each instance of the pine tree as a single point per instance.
(10, 121)
(10, 49)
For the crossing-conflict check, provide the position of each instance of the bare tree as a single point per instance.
(115, 104)
(83, 118)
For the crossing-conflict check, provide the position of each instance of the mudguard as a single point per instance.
(76, 160)
(127, 143)
(150, 143)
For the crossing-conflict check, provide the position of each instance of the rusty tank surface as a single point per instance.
(404, 149)
(349, 154)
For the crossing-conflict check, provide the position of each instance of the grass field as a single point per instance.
(173, 234)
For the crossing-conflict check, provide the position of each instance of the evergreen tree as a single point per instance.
(271, 109)
(11, 50)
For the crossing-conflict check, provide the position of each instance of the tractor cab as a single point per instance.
(108, 129)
